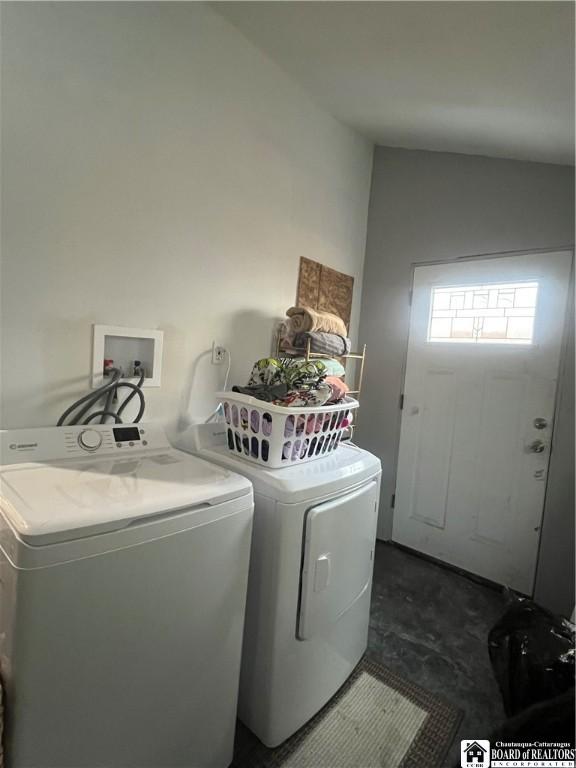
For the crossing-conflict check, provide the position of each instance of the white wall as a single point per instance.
(158, 171)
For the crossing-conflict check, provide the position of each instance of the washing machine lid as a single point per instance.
(50, 502)
(345, 467)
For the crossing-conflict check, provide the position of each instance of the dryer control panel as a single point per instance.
(52, 443)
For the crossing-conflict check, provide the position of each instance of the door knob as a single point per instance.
(540, 423)
(537, 446)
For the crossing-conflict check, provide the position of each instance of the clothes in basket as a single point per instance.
(293, 383)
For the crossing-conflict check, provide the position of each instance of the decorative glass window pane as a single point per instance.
(493, 328)
(480, 300)
(441, 327)
(499, 313)
(505, 298)
(525, 297)
(442, 301)
(456, 300)
(463, 327)
(520, 328)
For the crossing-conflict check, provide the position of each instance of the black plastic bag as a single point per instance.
(532, 654)
(549, 721)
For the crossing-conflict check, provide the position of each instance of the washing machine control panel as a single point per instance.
(51, 443)
(96, 439)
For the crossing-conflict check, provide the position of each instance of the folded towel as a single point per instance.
(307, 319)
(330, 344)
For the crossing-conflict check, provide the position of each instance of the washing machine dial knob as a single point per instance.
(90, 439)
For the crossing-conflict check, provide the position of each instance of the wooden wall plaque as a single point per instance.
(323, 288)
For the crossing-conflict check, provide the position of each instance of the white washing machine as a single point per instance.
(310, 580)
(123, 573)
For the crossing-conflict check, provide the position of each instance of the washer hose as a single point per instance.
(110, 392)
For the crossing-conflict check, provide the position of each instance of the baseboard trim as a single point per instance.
(454, 568)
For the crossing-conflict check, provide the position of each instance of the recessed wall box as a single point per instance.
(124, 346)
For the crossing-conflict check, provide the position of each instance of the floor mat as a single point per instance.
(376, 720)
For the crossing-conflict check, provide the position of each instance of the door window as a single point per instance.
(500, 313)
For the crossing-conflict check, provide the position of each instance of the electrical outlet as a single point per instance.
(218, 354)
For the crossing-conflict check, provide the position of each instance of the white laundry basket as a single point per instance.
(276, 436)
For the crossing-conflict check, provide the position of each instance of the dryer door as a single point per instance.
(339, 537)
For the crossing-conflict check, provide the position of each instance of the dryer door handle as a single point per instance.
(322, 572)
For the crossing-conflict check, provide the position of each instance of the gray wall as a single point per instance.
(434, 206)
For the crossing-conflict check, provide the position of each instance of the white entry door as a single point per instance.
(483, 357)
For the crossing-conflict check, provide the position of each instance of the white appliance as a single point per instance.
(310, 580)
(123, 567)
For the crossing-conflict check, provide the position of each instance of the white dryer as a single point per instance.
(310, 580)
(123, 572)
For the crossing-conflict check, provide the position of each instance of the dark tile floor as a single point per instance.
(428, 624)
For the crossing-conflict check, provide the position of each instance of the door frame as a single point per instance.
(561, 363)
